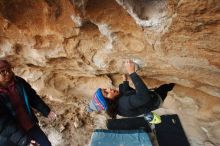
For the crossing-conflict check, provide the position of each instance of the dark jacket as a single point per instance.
(10, 133)
(8, 122)
(133, 102)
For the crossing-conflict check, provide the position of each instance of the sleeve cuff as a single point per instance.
(134, 74)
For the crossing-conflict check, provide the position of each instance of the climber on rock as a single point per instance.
(130, 102)
(18, 123)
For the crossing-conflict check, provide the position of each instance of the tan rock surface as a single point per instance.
(68, 48)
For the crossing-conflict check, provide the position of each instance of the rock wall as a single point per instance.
(66, 47)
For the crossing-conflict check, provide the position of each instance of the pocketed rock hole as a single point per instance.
(146, 13)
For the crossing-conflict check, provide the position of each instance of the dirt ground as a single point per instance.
(73, 126)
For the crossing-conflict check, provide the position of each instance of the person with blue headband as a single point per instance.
(129, 102)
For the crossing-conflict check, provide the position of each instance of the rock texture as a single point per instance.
(67, 48)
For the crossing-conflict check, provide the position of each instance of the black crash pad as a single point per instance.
(170, 132)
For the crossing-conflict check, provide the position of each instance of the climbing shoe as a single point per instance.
(152, 118)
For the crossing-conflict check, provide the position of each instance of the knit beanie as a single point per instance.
(98, 102)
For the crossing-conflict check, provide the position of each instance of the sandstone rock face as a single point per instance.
(69, 48)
